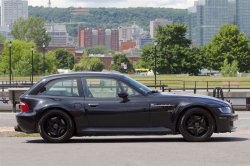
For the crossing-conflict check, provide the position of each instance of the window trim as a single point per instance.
(79, 86)
(100, 77)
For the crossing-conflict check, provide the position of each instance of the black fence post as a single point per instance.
(184, 86)
(163, 87)
(229, 87)
(207, 86)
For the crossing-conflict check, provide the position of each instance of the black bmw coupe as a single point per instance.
(97, 104)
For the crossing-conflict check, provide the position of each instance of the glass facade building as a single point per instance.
(243, 16)
(206, 17)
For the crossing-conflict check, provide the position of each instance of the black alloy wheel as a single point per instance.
(56, 126)
(196, 124)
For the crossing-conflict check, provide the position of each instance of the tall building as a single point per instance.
(11, 10)
(124, 33)
(79, 35)
(206, 17)
(114, 39)
(59, 35)
(91, 38)
(243, 16)
(156, 22)
(144, 40)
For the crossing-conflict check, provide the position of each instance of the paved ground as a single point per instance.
(230, 149)
(222, 149)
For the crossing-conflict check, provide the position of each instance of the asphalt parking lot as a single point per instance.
(222, 149)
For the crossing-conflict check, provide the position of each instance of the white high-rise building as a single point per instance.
(11, 10)
(156, 22)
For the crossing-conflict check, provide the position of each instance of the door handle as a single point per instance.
(93, 104)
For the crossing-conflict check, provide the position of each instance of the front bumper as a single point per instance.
(226, 123)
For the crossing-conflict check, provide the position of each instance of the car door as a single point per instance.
(105, 109)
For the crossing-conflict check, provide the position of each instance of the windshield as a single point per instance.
(137, 84)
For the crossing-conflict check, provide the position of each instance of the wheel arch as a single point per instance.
(58, 108)
(190, 107)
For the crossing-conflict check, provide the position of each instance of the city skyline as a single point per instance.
(181, 4)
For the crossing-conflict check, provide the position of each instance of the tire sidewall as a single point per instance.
(66, 136)
(189, 137)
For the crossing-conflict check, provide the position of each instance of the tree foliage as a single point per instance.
(2, 38)
(229, 45)
(89, 64)
(229, 70)
(107, 18)
(99, 49)
(65, 59)
(118, 59)
(31, 30)
(96, 64)
(21, 59)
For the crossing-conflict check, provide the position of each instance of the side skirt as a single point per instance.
(97, 131)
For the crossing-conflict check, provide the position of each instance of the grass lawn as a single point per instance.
(176, 81)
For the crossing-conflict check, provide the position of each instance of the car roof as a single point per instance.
(77, 74)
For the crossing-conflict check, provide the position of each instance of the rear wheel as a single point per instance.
(196, 125)
(56, 126)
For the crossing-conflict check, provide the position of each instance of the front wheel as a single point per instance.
(56, 126)
(196, 125)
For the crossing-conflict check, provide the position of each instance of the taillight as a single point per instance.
(24, 107)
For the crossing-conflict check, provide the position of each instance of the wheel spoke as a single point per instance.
(58, 133)
(49, 129)
(204, 127)
(58, 120)
(201, 120)
(192, 118)
(196, 131)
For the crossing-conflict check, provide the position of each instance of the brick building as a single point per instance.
(79, 35)
(127, 45)
(90, 38)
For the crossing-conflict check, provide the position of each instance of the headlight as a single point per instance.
(225, 110)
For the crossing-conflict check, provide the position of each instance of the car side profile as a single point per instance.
(104, 104)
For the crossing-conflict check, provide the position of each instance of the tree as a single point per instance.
(65, 59)
(118, 59)
(31, 30)
(229, 45)
(96, 64)
(2, 38)
(84, 63)
(21, 59)
(96, 50)
(171, 47)
(18, 50)
(24, 66)
(229, 70)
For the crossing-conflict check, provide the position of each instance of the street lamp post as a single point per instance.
(44, 59)
(32, 49)
(10, 44)
(155, 43)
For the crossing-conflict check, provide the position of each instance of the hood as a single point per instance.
(188, 95)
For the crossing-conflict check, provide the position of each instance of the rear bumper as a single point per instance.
(226, 123)
(18, 129)
(26, 122)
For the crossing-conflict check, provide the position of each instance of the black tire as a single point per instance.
(196, 125)
(56, 126)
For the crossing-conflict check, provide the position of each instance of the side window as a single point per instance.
(100, 87)
(130, 91)
(61, 87)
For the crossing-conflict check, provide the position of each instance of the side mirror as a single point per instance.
(122, 95)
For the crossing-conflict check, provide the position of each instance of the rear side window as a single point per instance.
(61, 87)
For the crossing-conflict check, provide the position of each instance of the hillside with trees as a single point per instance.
(107, 18)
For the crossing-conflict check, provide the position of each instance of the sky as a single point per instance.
(181, 4)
